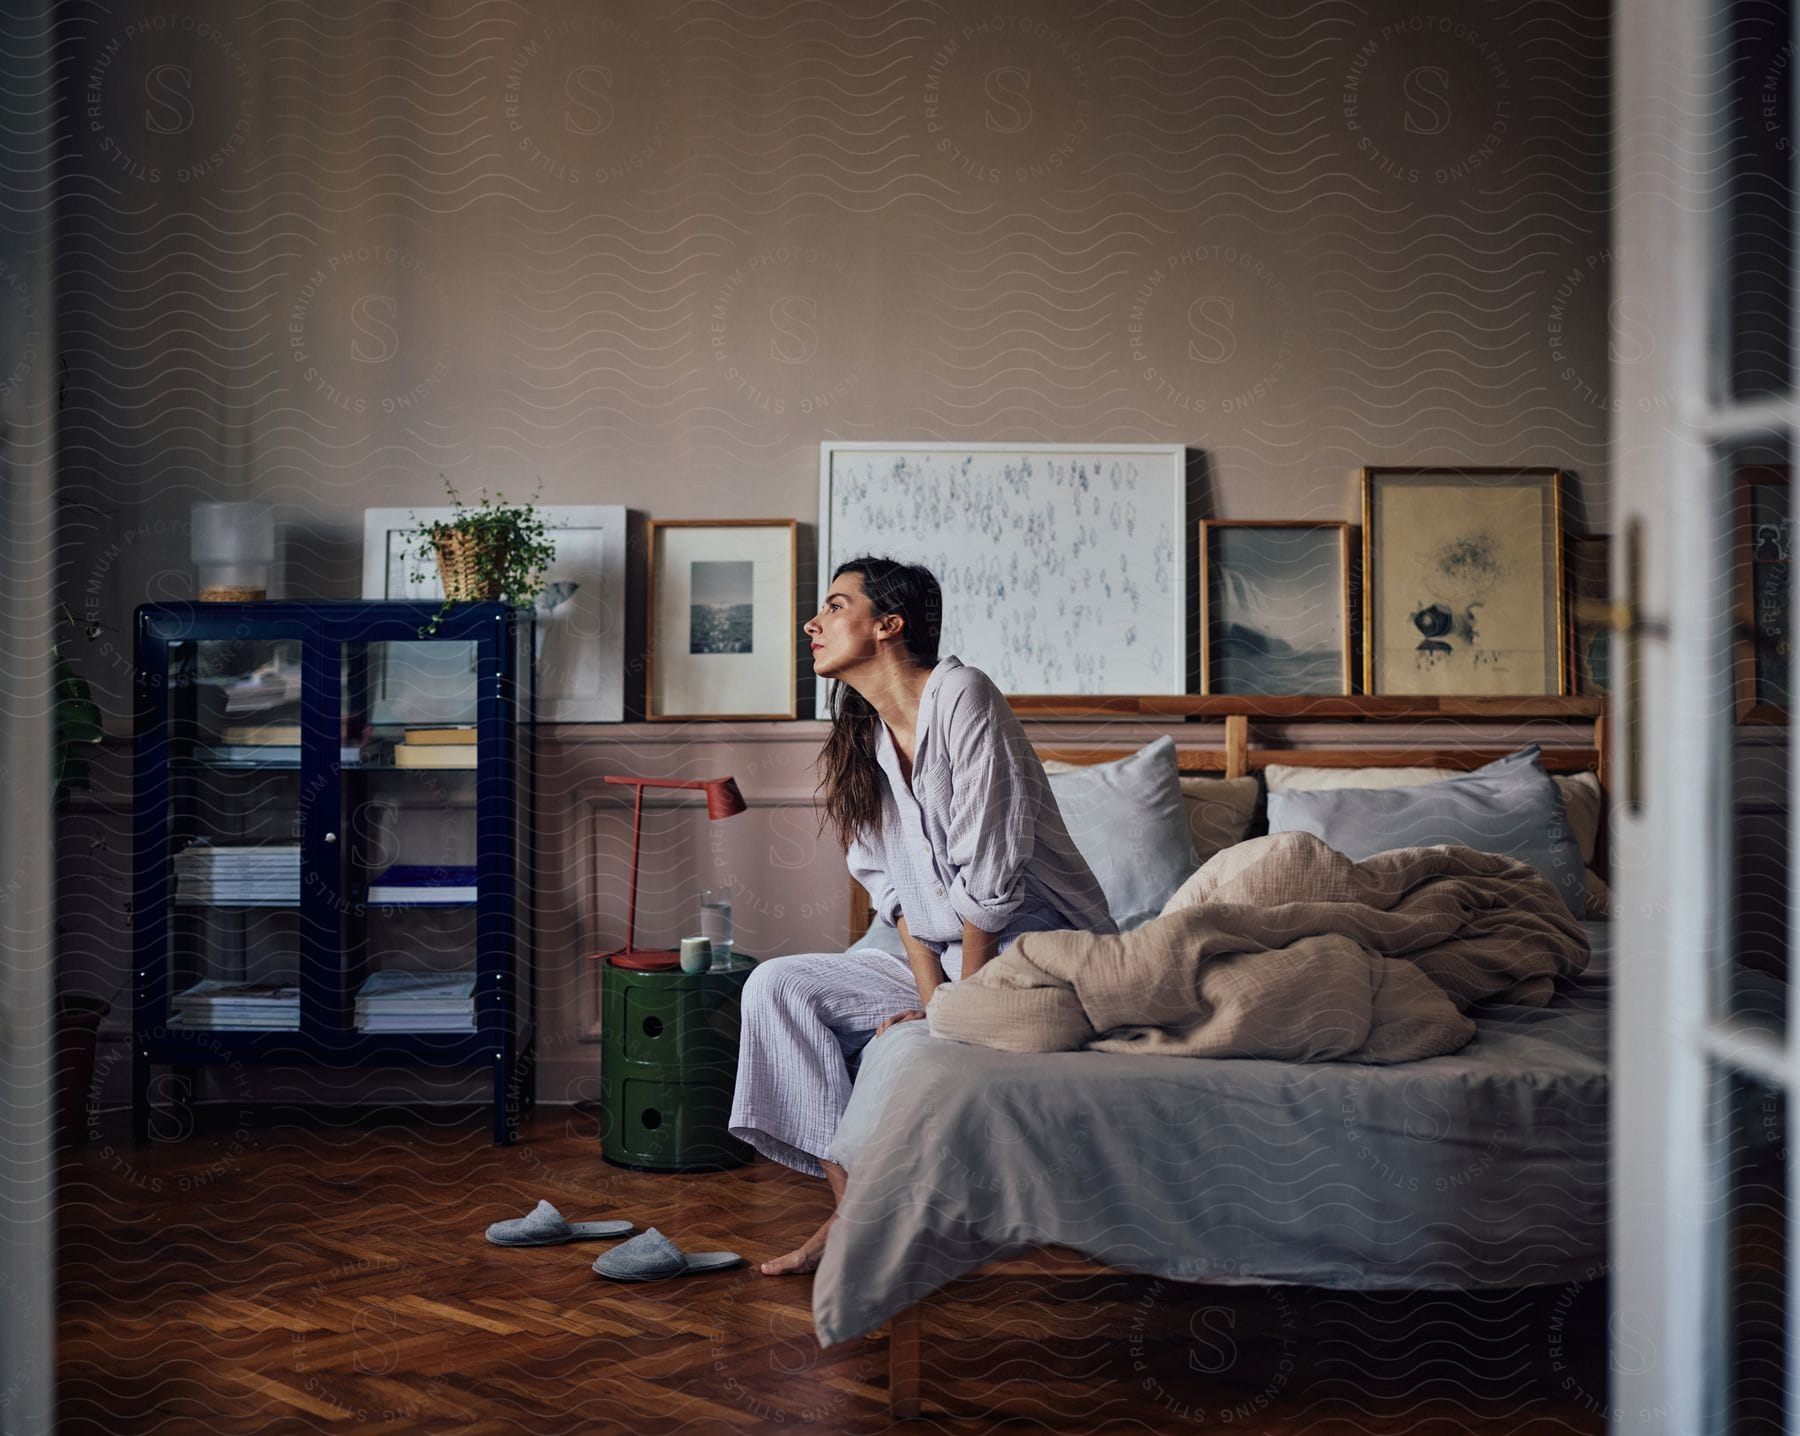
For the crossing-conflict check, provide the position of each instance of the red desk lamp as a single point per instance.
(723, 800)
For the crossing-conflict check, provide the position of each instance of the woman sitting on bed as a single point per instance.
(947, 820)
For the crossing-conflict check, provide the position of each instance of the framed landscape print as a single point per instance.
(1274, 607)
(1590, 634)
(722, 633)
(580, 613)
(1463, 582)
(1763, 555)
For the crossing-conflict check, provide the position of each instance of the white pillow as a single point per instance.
(1296, 777)
(1127, 818)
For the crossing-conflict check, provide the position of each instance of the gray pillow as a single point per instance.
(1128, 820)
(1582, 796)
(1511, 807)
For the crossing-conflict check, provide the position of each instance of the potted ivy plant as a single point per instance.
(486, 550)
(76, 724)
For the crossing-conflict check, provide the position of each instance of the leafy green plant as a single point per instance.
(76, 724)
(488, 549)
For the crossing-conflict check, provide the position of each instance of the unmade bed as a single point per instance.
(1484, 1168)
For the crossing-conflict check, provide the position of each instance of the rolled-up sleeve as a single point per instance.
(869, 868)
(993, 807)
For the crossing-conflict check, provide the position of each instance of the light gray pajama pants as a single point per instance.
(804, 1018)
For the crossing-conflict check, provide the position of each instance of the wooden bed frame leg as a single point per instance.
(903, 1364)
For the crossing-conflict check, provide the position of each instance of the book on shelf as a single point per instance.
(257, 734)
(207, 851)
(435, 755)
(273, 733)
(401, 1001)
(271, 686)
(243, 875)
(214, 1022)
(413, 883)
(398, 985)
(218, 989)
(244, 896)
(278, 754)
(405, 1023)
(437, 736)
(220, 1003)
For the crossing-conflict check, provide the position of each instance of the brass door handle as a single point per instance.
(1627, 619)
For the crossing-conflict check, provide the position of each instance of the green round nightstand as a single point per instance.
(668, 1067)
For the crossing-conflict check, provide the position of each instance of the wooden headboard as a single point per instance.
(1239, 755)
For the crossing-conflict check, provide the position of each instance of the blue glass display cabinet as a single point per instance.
(333, 836)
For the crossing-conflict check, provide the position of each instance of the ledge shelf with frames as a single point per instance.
(268, 801)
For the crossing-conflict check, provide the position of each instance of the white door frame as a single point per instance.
(1673, 1043)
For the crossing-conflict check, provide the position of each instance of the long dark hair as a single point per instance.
(850, 777)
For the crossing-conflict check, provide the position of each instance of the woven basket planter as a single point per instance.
(456, 553)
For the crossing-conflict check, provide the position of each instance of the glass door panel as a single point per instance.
(1752, 1127)
(410, 815)
(233, 801)
(1756, 248)
(1755, 489)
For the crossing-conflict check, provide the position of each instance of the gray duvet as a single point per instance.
(1486, 1167)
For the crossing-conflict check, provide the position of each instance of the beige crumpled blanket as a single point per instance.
(1281, 947)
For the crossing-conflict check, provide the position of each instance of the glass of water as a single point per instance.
(715, 923)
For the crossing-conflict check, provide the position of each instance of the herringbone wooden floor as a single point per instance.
(287, 1271)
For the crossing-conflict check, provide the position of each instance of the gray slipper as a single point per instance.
(650, 1256)
(545, 1227)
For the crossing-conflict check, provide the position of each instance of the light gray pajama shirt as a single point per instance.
(976, 837)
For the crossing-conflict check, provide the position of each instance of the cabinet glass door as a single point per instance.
(233, 825)
(410, 818)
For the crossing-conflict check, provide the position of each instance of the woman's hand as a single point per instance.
(912, 1014)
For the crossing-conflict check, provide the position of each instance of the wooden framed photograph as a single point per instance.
(1764, 553)
(721, 641)
(1590, 634)
(1463, 582)
(1274, 607)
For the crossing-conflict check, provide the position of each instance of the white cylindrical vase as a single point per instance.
(233, 550)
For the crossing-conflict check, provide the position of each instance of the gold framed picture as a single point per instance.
(721, 640)
(1590, 635)
(1274, 607)
(1463, 582)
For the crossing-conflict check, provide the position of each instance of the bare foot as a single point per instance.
(804, 1258)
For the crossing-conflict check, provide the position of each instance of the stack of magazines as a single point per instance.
(218, 1004)
(454, 747)
(418, 886)
(249, 875)
(417, 1002)
(275, 745)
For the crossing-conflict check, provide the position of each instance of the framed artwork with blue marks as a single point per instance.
(1463, 588)
(1063, 566)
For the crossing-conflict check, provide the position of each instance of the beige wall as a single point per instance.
(652, 255)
